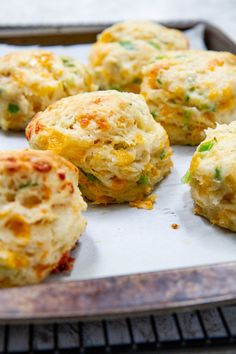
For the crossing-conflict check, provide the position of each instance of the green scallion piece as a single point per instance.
(186, 178)
(186, 98)
(208, 107)
(28, 184)
(217, 174)
(91, 177)
(154, 44)
(127, 45)
(67, 62)
(186, 116)
(162, 154)
(13, 108)
(159, 57)
(114, 88)
(206, 146)
(144, 179)
(137, 80)
(153, 113)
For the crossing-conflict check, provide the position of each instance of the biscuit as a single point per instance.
(190, 91)
(40, 214)
(111, 137)
(160, 37)
(212, 176)
(32, 80)
(119, 66)
(123, 49)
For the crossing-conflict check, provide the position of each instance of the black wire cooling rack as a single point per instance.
(190, 332)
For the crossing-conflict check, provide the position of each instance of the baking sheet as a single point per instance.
(121, 240)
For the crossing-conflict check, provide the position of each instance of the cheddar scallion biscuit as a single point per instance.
(189, 91)
(32, 80)
(212, 176)
(111, 137)
(123, 49)
(40, 214)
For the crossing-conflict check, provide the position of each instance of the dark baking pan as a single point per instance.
(123, 295)
(214, 38)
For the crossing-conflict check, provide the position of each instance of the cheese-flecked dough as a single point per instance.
(111, 137)
(212, 176)
(123, 49)
(32, 80)
(161, 37)
(119, 66)
(189, 91)
(40, 214)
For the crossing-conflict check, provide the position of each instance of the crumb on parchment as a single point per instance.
(146, 203)
(175, 226)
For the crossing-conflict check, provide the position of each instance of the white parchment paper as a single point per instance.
(122, 240)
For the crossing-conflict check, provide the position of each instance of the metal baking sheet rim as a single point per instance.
(86, 33)
(118, 295)
(136, 294)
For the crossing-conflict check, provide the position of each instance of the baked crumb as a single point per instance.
(146, 203)
(175, 226)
